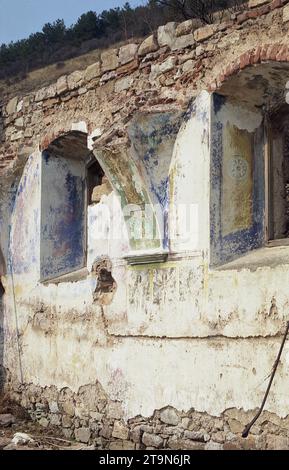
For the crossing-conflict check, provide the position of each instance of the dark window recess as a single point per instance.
(279, 179)
(94, 178)
(286, 178)
(63, 241)
(63, 201)
(71, 178)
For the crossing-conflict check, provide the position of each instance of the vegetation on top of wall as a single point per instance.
(204, 10)
(56, 42)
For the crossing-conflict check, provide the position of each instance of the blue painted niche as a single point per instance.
(228, 246)
(63, 216)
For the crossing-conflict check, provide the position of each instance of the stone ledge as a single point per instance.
(146, 258)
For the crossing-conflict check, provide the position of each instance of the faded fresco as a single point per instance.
(141, 306)
(237, 172)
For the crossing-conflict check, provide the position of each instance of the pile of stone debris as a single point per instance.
(19, 432)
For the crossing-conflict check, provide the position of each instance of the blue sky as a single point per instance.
(19, 18)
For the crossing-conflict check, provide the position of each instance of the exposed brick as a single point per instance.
(264, 50)
(255, 55)
(245, 60)
(253, 14)
(46, 140)
(282, 54)
(275, 4)
(50, 102)
(242, 17)
(264, 10)
(128, 68)
(256, 3)
(236, 67)
(273, 51)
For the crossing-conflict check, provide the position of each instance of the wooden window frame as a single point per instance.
(269, 207)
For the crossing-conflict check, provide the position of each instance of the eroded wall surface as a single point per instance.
(177, 353)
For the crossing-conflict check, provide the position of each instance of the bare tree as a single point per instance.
(201, 9)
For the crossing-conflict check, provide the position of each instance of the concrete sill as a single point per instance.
(269, 256)
(134, 259)
(74, 276)
(279, 242)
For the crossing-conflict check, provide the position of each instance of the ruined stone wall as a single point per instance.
(164, 72)
(176, 334)
(89, 416)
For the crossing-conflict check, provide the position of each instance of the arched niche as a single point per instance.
(249, 164)
(73, 177)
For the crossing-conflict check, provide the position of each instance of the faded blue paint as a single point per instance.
(228, 247)
(218, 102)
(153, 137)
(24, 228)
(63, 216)
(195, 111)
(6, 210)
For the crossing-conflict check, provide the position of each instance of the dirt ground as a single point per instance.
(14, 419)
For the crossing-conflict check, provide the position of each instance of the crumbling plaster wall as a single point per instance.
(178, 333)
(176, 316)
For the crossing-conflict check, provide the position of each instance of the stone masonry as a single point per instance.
(89, 416)
(162, 74)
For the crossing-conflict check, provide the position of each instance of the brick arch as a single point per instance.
(275, 52)
(56, 133)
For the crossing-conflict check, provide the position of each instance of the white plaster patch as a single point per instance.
(92, 136)
(80, 126)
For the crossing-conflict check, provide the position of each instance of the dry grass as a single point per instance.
(47, 75)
